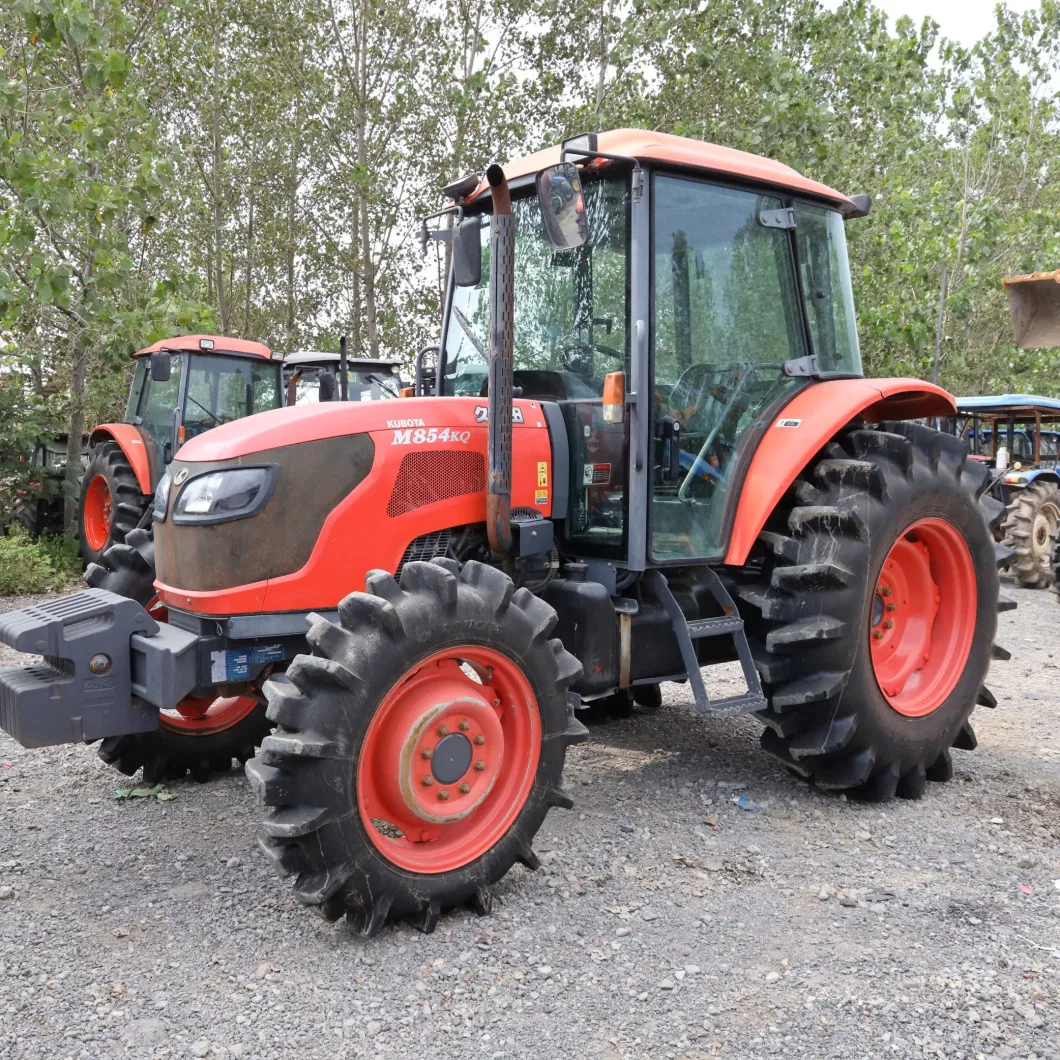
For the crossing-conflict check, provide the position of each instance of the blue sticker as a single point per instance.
(237, 665)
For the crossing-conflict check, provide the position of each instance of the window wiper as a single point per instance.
(384, 384)
(466, 325)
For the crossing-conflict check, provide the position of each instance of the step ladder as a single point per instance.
(727, 624)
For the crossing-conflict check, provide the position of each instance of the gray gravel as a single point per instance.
(664, 922)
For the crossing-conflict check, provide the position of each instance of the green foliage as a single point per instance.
(49, 564)
(258, 168)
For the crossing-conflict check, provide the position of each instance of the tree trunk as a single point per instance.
(247, 332)
(218, 205)
(75, 427)
(367, 263)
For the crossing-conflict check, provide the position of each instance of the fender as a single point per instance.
(132, 445)
(806, 423)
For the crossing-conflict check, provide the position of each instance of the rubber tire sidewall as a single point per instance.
(920, 739)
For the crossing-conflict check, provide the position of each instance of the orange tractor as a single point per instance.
(180, 388)
(651, 449)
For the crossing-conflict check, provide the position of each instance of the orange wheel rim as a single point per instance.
(449, 759)
(923, 617)
(97, 513)
(201, 717)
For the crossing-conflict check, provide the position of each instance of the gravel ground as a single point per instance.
(665, 921)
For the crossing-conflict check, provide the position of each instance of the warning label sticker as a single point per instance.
(542, 473)
(596, 474)
(541, 497)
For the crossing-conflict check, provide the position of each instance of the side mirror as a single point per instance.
(160, 366)
(559, 192)
(467, 253)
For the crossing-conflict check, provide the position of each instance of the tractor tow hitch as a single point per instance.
(107, 668)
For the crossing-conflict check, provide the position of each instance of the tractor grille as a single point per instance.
(429, 476)
(425, 548)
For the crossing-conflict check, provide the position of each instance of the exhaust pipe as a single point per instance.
(501, 354)
(1034, 302)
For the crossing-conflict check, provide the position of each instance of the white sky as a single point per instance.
(965, 21)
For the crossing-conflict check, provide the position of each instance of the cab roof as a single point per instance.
(681, 151)
(202, 344)
(1008, 403)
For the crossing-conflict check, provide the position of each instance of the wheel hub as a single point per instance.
(443, 750)
(448, 759)
(923, 617)
(451, 758)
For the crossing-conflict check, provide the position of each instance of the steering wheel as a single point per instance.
(743, 372)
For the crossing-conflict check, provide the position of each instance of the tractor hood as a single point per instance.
(289, 509)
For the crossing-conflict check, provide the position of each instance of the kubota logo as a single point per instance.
(404, 423)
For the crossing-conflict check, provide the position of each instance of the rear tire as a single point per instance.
(168, 753)
(339, 823)
(1029, 529)
(111, 502)
(815, 603)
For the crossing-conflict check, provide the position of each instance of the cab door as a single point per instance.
(726, 319)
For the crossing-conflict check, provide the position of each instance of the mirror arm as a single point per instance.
(439, 235)
(589, 155)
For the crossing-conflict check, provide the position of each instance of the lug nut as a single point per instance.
(480, 765)
(427, 753)
(888, 624)
(443, 730)
(479, 739)
(891, 605)
(428, 780)
(884, 591)
(464, 725)
(442, 794)
(465, 788)
(877, 634)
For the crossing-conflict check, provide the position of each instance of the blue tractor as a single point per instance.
(1018, 437)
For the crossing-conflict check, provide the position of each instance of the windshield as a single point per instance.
(222, 388)
(364, 385)
(570, 306)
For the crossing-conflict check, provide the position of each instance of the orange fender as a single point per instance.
(806, 423)
(132, 445)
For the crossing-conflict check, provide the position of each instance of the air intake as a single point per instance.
(429, 476)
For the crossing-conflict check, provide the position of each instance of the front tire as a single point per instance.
(200, 737)
(1029, 529)
(361, 814)
(111, 503)
(876, 609)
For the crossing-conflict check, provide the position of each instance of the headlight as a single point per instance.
(161, 501)
(221, 496)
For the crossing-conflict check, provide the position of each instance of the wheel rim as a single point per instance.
(923, 617)
(449, 759)
(203, 717)
(97, 513)
(1043, 531)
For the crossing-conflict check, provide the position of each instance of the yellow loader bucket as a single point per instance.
(1034, 302)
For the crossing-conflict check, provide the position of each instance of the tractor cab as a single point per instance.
(704, 288)
(181, 387)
